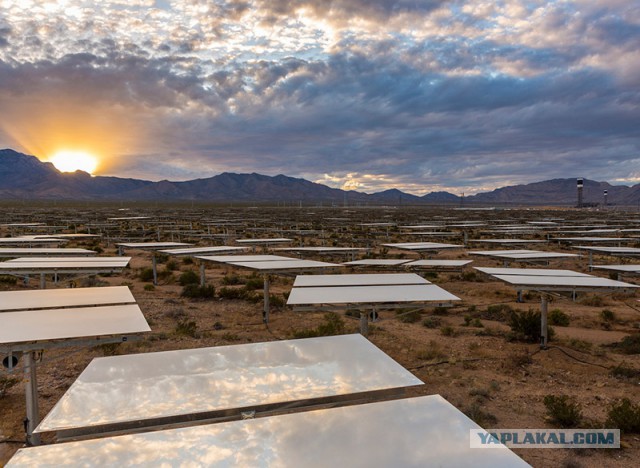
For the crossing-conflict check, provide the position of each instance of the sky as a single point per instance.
(462, 96)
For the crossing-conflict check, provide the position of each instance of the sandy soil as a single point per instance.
(477, 369)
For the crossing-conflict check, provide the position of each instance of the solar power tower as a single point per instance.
(580, 185)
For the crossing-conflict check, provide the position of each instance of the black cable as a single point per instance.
(266, 325)
(448, 361)
(577, 359)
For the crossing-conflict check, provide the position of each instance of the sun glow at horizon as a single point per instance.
(71, 161)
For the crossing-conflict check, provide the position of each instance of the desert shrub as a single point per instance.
(448, 331)
(520, 358)
(580, 345)
(470, 276)
(440, 310)
(563, 411)
(607, 315)
(165, 275)
(109, 349)
(432, 322)
(629, 344)
(149, 287)
(96, 248)
(230, 336)
(480, 416)
(498, 312)
(161, 258)
(230, 293)
(253, 284)
(230, 280)
(481, 393)
(408, 317)
(146, 274)
(195, 291)
(171, 265)
(251, 296)
(623, 372)
(559, 318)
(6, 382)
(525, 326)
(432, 351)
(625, 416)
(593, 301)
(6, 279)
(187, 328)
(333, 325)
(472, 322)
(187, 261)
(189, 277)
(276, 301)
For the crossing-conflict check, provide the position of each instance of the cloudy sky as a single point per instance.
(421, 95)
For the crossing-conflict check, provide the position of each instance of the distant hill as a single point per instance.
(556, 192)
(26, 177)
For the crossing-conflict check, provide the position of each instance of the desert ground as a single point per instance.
(468, 353)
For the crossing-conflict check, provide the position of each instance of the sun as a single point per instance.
(71, 161)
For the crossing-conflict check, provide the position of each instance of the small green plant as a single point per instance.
(481, 393)
(230, 280)
(171, 265)
(195, 291)
(432, 322)
(408, 317)
(480, 416)
(580, 345)
(470, 276)
(607, 315)
(525, 326)
(432, 351)
(109, 349)
(6, 382)
(448, 331)
(231, 293)
(187, 261)
(624, 415)
(472, 322)
(276, 301)
(161, 258)
(623, 372)
(149, 287)
(146, 274)
(498, 312)
(6, 279)
(187, 328)
(333, 325)
(188, 277)
(227, 336)
(593, 301)
(252, 284)
(521, 358)
(563, 411)
(629, 344)
(559, 318)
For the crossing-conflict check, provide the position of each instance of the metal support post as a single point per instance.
(155, 269)
(364, 323)
(265, 311)
(31, 383)
(543, 322)
(203, 278)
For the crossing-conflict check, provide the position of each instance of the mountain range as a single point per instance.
(26, 177)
